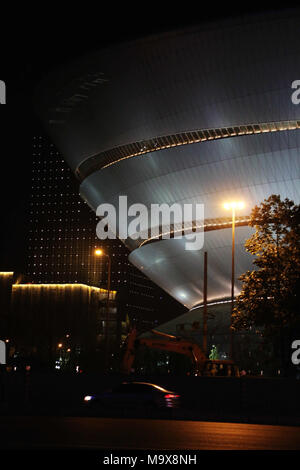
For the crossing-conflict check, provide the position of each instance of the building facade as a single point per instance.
(62, 241)
(60, 326)
(203, 115)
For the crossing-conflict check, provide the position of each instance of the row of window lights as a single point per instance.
(59, 179)
(47, 162)
(66, 238)
(51, 203)
(60, 238)
(48, 220)
(53, 161)
(49, 212)
(82, 264)
(53, 187)
(69, 229)
(59, 247)
(48, 170)
(84, 255)
(65, 264)
(50, 194)
(86, 250)
(61, 212)
(56, 211)
(56, 195)
(42, 231)
(67, 220)
(39, 230)
(65, 281)
(51, 220)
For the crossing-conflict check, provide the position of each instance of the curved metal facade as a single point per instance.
(198, 116)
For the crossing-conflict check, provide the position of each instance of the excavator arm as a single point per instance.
(165, 343)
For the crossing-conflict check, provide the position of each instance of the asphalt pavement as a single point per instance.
(38, 432)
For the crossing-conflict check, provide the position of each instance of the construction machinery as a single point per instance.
(170, 343)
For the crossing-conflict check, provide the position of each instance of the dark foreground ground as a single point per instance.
(255, 400)
(36, 433)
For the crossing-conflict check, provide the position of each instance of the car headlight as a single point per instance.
(88, 398)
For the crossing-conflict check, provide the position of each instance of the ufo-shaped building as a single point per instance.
(202, 115)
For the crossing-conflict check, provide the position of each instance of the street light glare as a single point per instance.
(98, 252)
(234, 205)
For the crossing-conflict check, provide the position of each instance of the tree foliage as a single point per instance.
(269, 299)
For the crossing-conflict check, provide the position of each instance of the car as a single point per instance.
(136, 395)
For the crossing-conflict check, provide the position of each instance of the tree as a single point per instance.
(269, 299)
(214, 353)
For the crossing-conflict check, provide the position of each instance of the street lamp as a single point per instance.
(233, 206)
(99, 252)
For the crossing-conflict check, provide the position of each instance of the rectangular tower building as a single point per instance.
(62, 239)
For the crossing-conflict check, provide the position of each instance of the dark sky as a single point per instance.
(32, 42)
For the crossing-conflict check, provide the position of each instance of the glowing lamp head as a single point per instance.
(234, 205)
(98, 252)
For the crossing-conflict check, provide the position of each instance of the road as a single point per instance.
(111, 433)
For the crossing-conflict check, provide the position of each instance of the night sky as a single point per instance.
(33, 43)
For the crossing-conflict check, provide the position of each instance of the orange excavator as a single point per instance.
(170, 343)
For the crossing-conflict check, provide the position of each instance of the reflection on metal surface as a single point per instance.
(115, 155)
(217, 224)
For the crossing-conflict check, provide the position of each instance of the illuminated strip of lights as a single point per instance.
(209, 304)
(115, 155)
(6, 273)
(216, 226)
(64, 286)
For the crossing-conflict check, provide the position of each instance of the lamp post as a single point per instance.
(99, 252)
(233, 206)
(205, 305)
